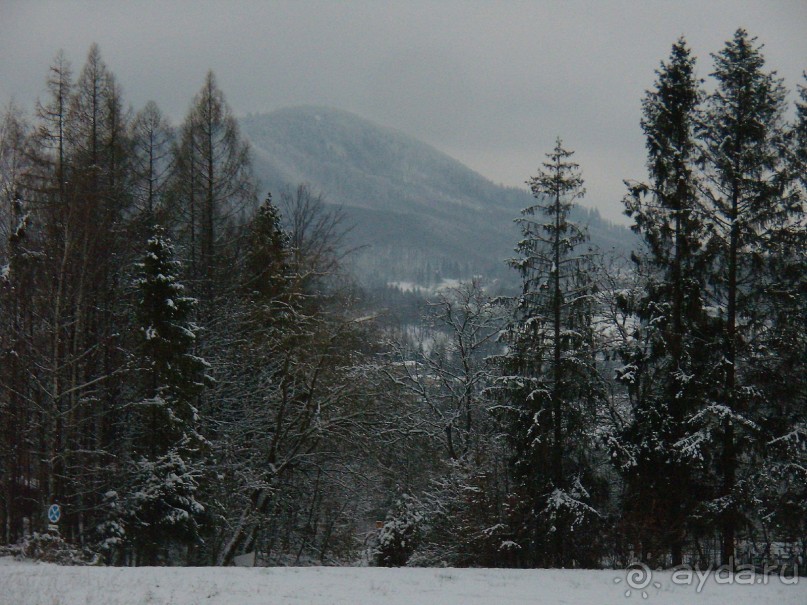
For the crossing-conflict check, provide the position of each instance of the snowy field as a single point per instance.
(45, 584)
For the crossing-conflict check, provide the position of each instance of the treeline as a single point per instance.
(653, 410)
(192, 377)
(177, 367)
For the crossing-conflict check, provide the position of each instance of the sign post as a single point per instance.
(54, 514)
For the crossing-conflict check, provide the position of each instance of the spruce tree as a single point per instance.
(264, 274)
(779, 362)
(548, 377)
(167, 451)
(749, 193)
(670, 347)
(799, 157)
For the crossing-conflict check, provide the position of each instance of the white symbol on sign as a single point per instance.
(54, 513)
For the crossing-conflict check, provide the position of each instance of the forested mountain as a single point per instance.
(411, 205)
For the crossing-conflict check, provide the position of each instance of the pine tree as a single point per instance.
(670, 348)
(549, 379)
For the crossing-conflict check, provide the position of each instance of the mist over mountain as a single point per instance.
(417, 212)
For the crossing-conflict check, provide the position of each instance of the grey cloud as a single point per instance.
(491, 83)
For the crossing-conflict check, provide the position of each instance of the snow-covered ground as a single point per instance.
(45, 584)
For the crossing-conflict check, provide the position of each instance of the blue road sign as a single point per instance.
(54, 513)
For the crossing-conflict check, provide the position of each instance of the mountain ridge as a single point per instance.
(409, 201)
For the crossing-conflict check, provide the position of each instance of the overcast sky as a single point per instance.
(490, 83)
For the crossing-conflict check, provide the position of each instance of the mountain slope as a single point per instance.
(415, 208)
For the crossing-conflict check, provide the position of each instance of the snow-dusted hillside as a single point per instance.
(44, 584)
(406, 199)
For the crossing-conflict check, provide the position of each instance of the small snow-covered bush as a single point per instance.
(401, 533)
(51, 548)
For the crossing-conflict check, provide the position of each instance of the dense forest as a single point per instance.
(190, 372)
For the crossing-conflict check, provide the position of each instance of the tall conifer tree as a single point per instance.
(670, 351)
(167, 450)
(549, 379)
(748, 191)
(214, 185)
